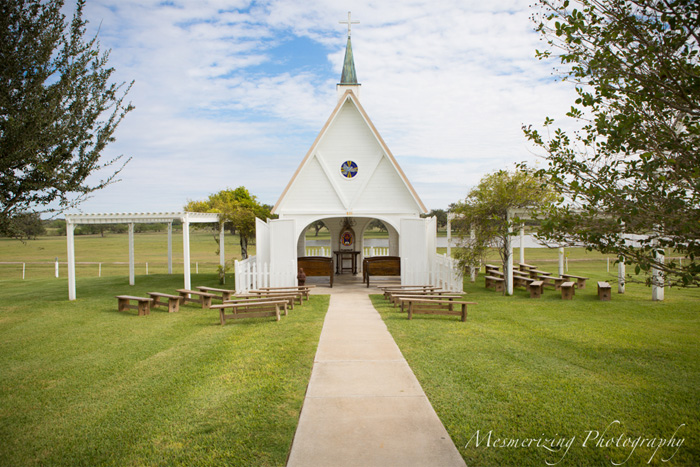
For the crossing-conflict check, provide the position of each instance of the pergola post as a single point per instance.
(131, 254)
(561, 261)
(170, 247)
(621, 276)
(70, 229)
(186, 251)
(472, 237)
(657, 279)
(450, 216)
(222, 255)
(522, 243)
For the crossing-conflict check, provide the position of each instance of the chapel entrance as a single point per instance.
(347, 241)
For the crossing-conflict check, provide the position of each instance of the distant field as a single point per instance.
(151, 248)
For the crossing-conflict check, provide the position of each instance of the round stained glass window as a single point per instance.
(348, 169)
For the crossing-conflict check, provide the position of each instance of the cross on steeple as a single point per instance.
(349, 23)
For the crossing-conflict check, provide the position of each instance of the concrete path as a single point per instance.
(364, 406)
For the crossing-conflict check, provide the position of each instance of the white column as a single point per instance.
(621, 276)
(561, 261)
(472, 237)
(449, 235)
(222, 255)
(170, 247)
(186, 251)
(658, 280)
(131, 254)
(509, 263)
(70, 228)
(522, 243)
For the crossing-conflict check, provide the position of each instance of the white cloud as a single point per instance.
(447, 83)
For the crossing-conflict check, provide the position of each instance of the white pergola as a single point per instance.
(186, 218)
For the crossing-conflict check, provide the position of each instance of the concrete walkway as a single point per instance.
(364, 406)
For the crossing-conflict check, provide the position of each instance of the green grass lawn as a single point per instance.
(84, 384)
(525, 369)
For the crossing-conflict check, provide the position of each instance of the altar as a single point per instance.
(346, 261)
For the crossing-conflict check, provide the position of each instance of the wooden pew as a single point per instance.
(580, 281)
(251, 309)
(304, 290)
(318, 266)
(388, 290)
(124, 304)
(381, 266)
(536, 288)
(496, 283)
(398, 299)
(223, 294)
(173, 301)
(204, 297)
(568, 290)
(436, 307)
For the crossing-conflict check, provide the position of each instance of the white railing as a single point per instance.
(446, 274)
(370, 251)
(250, 275)
(318, 251)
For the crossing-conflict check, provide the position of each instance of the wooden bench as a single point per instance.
(381, 266)
(536, 273)
(204, 297)
(580, 281)
(144, 304)
(394, 296)
(260, 295)
(496, 283)
(526, 267)
(173, 301)
(604, 291)
(568, 290)
(399, 299)
(436, 307)
(389, 290)
(520, 281)
(304, 290)
(221, 294)
(317, 266)
(293, 294)
(536, 288)
(251, 309)
(550, 281)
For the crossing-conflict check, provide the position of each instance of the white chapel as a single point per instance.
(348, 178)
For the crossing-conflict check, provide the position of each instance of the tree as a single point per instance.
(28, 225)
(634, 166)
(486, 211)
(58, 110)
(238, 209)
(440, 216)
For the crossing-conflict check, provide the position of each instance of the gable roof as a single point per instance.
(349, 96)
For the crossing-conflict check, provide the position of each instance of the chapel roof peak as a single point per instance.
(349, 76)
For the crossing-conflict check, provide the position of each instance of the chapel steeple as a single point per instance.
(348, 78)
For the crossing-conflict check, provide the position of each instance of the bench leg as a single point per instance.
(277, 310)
(222, 317)
(173, 305)
(144, 308)
(464, 312)
(410, 310)
(123, 304)
(206, 303)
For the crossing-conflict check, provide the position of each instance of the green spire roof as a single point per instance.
(348, 76)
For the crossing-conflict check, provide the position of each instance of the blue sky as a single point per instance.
(231, 93)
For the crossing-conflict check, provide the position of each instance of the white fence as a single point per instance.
(441, 271)
(250, 275)
(367, 252)
(447, 274)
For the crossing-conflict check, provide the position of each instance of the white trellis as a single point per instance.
(186, 218)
